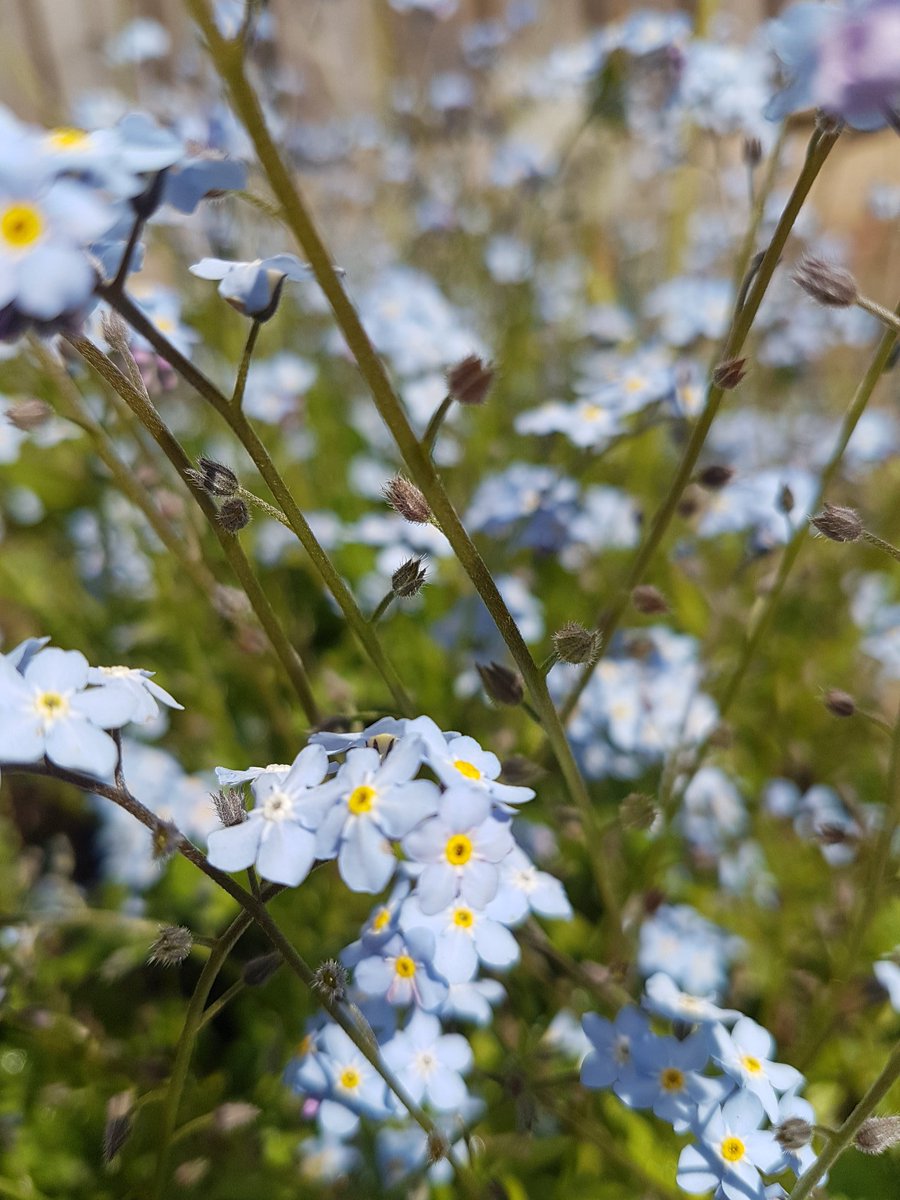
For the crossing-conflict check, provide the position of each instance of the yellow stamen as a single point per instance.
(21, 225)
(349, 1079)
(732, 1149)
(405, 967)
(672, 1079)
(361, 800)
(466, 769)
(464, 918)
(458, 850)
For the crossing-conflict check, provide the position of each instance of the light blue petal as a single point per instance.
(286, 853)
(234, 847)
(82, 747)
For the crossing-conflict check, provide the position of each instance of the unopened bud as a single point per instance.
(877, 1134)
(648, 600)
(260, 970)
(752, 151)
(503, 685)
(840, 704)
(229, 805)
(470, 381)
(166, 840)
(436, 1147)
(234, 1115)
(728, 374)
(172, 946)
(189, 1174)
(406, 499)
(234, 515)
(29, 414)
(786, 499)
(637, 811)
(214, 477)
(519, 770)
(827, 283)
(715, 477)
(793, 1133)
(575, 644)
(330, 981)
(118, 1124)
(837, 523)
(114, 330)
(409, 578)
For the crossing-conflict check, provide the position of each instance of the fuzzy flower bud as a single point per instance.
(470, 380)
(826, 283)
(715, 477)
(838, 524)
(330, 980)
(234, 515)
(166, 840)
(214, 477)
(172, 946)
(118, 1124)
(436, 1148)
(575, 644)
(840, 704)
(29, 414)
(637, 811)
(229, 805)
(409, 578)
(406, 499)
(503, 685)
(728, 374)
(793, 1133)
(648, 600)
(877, 1134)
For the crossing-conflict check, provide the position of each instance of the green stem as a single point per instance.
(884, 315)
(434, 425)
(229, 63)
(240, 382)
(193, 1023)
(247, 435)
(819, 148)
(147, 414)
(383, 605)
(212, 1011)
(880, 543)
(845, 1134)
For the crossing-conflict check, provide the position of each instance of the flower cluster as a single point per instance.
(461, 883)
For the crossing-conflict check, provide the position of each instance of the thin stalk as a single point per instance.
(147, 414)
(240, 383)
(880, 544)
(383, 605)
(819, 148)
(212, 1011)
(884, 315)
(429, 437)
(247, 435)
(845, 1134)
(193, 1022)
(229, 63)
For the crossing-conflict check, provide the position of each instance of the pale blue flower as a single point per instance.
(460, 848)
(253, 288)
(663, 997)
(460, 761)
(50, 709)
(524, 889)
(663, 1074)
(464, 936)
(731, 1151)
(403, 973)
(146, 695)
(612, 1044)
(431, 1063)
(278, 836)
(745, 1054)
(472, 1000)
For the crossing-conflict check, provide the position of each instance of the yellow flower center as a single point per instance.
(51, 705)
(672, 1079)
(751, 1064)
(459, 850)
(405, 967)
(732, 1149)
(466, 769)
(381, 919)
(67, 138)
(464, 918)
(349, 1079)
(592, 412)
(634, 383)
(361, 800)
(21, 225)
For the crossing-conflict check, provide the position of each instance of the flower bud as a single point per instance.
(436, 1147)
(172, 946)
(840, 704)
(575, 644)
(409, 578)
(234, 1114)
(637, 811)
(877, 1134)
(260, 970)
(234, 515)
(214, 477)
(188, 1174)
(29, 414)
(503, 685)
(406, 499)
(752, 151)
(786, 499)
(166, 840)
(330, 980)
(715, 477)
(118, 1124)
(793, 1133)
(519, 770)
(648, 600)
(826, 283)
(838, 523)
(470, 380)
(229, 805)
(728, 374)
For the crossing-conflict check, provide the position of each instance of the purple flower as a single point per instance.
(460, 847)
